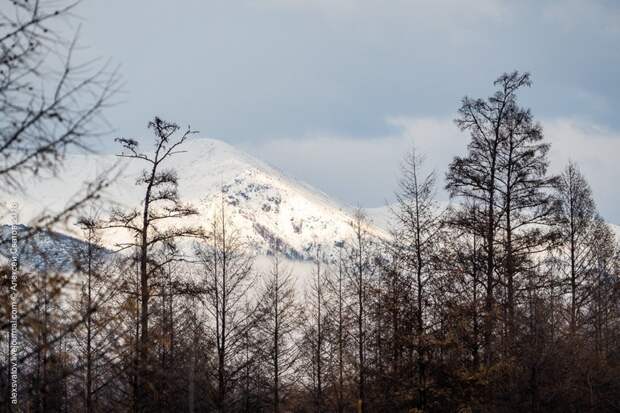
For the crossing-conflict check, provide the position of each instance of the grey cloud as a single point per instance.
(254, 70)
(309, 83)
(365, 171)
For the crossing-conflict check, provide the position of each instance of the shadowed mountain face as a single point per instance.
(45, 249)
(263, 205)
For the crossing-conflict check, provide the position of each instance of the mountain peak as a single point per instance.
(262, 203)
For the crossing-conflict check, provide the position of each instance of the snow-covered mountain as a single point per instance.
(262, 204)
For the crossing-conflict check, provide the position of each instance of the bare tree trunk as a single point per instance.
(89, 357)
(144, 368)
(319, 344)
(573, 279)
(340, 336)
(276, 344)
(360, 328)
(490, 245)
(191, 393)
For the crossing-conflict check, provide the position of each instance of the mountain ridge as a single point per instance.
(265, 205)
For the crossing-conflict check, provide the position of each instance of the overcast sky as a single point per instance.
(334, 91)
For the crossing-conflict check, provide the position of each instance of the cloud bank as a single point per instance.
(365, 171)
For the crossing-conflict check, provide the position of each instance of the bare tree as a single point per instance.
(49, 103)
(419, 223)
(161, 203)
(527, 205)
(360, 268)
(476, 176)
(100, 272)
(279, 327)
(227, 280)
(337, 315)
(577, 217)
(316, 331)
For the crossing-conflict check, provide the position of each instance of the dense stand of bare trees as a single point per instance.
(50, 104)
(508, 300)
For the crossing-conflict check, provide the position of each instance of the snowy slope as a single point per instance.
(264, 205)
(616, 229)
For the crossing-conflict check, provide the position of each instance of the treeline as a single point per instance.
(506, 301)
